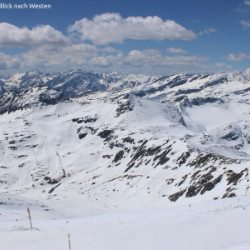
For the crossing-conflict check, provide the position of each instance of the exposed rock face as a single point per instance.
(181, 137)
(28, 98)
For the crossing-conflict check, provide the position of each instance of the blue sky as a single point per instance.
(153, 37)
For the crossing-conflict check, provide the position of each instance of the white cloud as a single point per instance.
(147, 54)
(154, 58)
(109, 50)
(148, 61)
(7, 62)
(111, 27)
(247, 2)
(64, 56)
(223, 65)
(247, 71)
(245, 24)
(207, 31)
(176, 51)
(48, 49)
(91, 58)
(239, 57)
(13, 36)
(100, 61)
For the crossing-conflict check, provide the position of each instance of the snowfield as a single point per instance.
(125, 161)
(222, 224)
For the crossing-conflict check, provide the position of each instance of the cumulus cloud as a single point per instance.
(237, 57)
(247, 2)
(47, 56)
(245, 24)
(93, 58)
(148, 61)
(7, 62)
(100, 61)
(111, 27)
(48, 49)
(13, 36)
(152, 58)
(177, 51)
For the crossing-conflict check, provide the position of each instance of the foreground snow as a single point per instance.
(221, 224)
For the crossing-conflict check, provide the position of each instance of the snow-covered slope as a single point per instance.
(28, 98)
(24, 80)
(214, 225)
(179, 139)
(130, 162)
(74, 83)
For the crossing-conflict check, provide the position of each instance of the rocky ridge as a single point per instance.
(180, 138)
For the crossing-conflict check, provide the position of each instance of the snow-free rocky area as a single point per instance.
(125, 161)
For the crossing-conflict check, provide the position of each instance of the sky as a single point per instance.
(125, 36)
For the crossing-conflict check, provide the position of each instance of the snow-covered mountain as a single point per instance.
(124, 161)
(75, 82)
(112, 138)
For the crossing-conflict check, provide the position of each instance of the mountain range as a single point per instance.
(110, 138)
